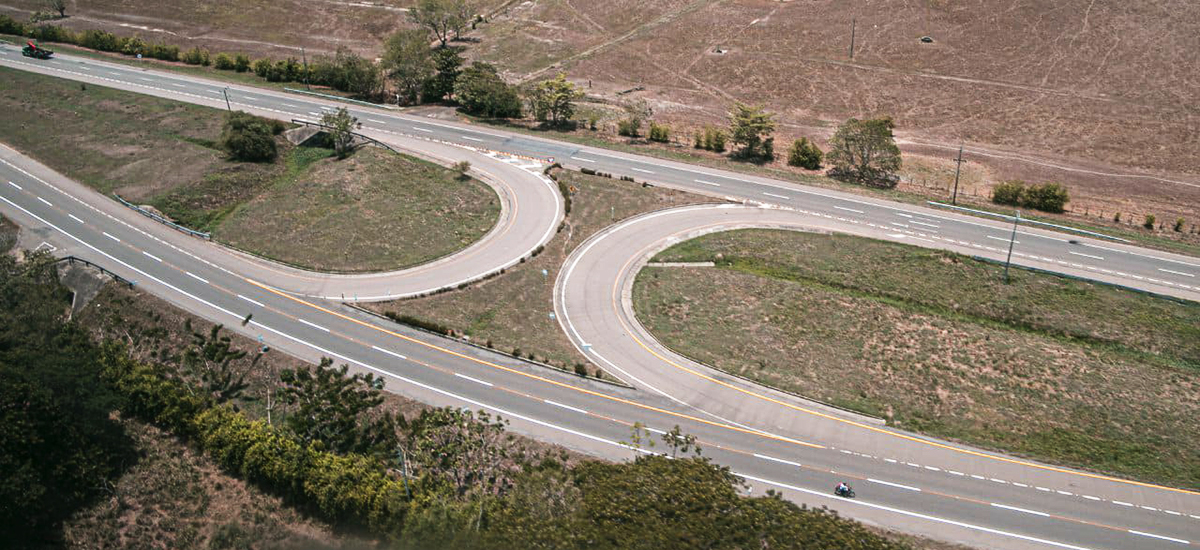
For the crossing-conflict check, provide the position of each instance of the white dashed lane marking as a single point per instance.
(110, 236)
(1160, 537)
(389, 352)
(313, 325)
(152, 256)
(15, 185)
(714, 184)
(196, 277)
(1022, 510)
(779, 460)
(1092, 256)
(72, 216)
(473, 379)
(1176, 272)
(259, 304)
(568, 407)
(774, 195)
(849, 209)
(896, 485)
(641, 170)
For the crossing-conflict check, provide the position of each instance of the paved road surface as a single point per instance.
(780, 443)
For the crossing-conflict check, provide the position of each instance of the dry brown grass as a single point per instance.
(1063, 370)
(1100, 86)
(513, 310)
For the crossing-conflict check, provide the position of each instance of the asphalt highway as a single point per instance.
(904, 481)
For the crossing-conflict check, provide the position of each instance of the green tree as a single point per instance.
(805, 154)
(553, 101)
(247, 137)
(241, 63)
(680, 442)
(223, 62)
(355, 74)
(481, 92)
(447, 66)
(865, 151)
(750, 127)
(338, 409)
(59, 448)
(340, 127)
(464, 448)
(440, 16)
(212, 361)
(408, 62)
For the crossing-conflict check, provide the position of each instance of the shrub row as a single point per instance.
(340, 488)
(1047, 197)
(711, 139)
(411, 321)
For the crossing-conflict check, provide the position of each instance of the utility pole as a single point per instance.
(853, 24)
(1011, 241)
(954, 198)
(403, 468)
(304, 56)
(228, 106)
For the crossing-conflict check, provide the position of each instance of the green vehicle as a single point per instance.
(31, 50)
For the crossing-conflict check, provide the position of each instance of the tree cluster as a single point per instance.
(805, 154)
(1047, 197)
(750, 128)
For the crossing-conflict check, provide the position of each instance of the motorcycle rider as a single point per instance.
(842, 489)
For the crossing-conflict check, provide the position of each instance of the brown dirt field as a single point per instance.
(1099, 86)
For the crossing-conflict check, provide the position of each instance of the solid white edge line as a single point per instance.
(779, 460)
(312, 324)
(389, 352)
(568, 407)
(473, 379)
(859, 502)
(152, 256)
(255, 302)
(1022, 510)
(1153, 536)
(896, 485)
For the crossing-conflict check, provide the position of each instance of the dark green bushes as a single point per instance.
(1047, 197)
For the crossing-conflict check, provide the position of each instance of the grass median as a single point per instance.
(1054, 368)
(512, 311)
(373, 211)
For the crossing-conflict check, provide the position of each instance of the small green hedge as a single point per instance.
(1047, 197)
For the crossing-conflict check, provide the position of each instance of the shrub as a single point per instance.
(481, 92)
(1149, 223)
(100, 40)
(805, 154)
(9, 25)
(1178, 225)
(629, 127)
(223, 62)
(659, 133)
(247, 137)
(1117, 217)
(165, 52)
(698, 140)
(50, 33)
(1010, 192)
(714, 139)
(197, 56)
(1047, 197)
(241, 63)
(581, 369)
(262, 67)
(134, 45)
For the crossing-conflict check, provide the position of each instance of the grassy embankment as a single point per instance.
(372, 211)
(1063, 370)
(513, 310)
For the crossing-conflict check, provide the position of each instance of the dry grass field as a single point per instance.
(1096, 87)
(1097, 94)
(1063, 370)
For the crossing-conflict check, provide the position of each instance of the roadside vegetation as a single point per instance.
(1059, 369)
(511, 312)
(320, 439)
(235, 176)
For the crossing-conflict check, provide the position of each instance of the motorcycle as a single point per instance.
(847, 492)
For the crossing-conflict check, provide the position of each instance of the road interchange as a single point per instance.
(771, 438)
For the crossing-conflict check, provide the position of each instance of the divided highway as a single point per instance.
(904, 481)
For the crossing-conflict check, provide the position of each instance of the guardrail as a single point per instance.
(337, 98)
(162, 220)
(72, 260)
(1087, 280)
(1029, 221)
(372, 140)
